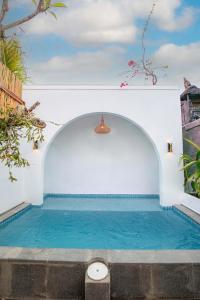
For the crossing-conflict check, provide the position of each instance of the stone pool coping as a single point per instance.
(86, 255)
(188, 212)
(14, 211)
(110, 256)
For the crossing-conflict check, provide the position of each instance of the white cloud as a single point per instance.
(108, 21)
(183, 61)
(165, 14)
(96, 22)
(106, 66)
(83, 68)
(168, 20)
(89, 22)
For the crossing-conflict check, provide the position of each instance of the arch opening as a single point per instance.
(79, 161)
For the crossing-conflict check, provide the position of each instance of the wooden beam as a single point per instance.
(12, 95)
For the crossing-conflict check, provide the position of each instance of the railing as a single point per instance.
(10, 89)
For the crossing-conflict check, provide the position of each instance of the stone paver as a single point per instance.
(190, 213)
(13, 211)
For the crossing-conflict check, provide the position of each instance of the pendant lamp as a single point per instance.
(102, 128)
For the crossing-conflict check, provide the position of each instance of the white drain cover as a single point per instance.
(97, 271)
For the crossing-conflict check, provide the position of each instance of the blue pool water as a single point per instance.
(47, 227)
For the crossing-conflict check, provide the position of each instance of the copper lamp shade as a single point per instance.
(102, 128)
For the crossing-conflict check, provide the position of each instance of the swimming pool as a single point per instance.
(155, 228)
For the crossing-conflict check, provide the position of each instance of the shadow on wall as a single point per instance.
(79, 161)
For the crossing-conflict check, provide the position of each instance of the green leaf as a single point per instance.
(16, 124)
(11, 55)
(58, 4)
(193, 185)
(190, 164)
(53, 14)
(198, 155)
(193, 144)
(185, 158)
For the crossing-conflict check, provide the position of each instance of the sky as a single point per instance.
(91, 41)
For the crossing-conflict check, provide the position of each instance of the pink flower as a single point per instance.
(131, 63)
(123, 84)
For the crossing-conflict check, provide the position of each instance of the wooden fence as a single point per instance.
(10, 89)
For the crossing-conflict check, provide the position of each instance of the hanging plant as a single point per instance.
(15, 125)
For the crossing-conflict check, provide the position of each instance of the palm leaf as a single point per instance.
(189, 165)
(11, 55)
(198, 155)
(193, 144)
(185, 158)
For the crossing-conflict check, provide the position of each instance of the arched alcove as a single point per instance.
(79, 161)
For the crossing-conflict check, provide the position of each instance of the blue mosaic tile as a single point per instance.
(109, 196)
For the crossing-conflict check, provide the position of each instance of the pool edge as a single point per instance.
(12, 213)
(111, 256)
(182, 209)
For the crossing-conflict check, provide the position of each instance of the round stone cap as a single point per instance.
(97, 271)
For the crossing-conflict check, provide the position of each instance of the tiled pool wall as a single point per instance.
(102, 202)
(119, 196)
(28, 280)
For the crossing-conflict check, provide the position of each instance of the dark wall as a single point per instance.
(46, 280)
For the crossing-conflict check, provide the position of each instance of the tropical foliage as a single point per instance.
(192, 169)
(11, 53)
(11, 56)
(20, 123)
(15, 125)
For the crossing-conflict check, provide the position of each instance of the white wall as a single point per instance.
(155, 109)
(79, 161)
(11, 194)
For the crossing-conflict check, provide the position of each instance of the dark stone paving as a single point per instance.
(22, 298)
(173, 281)
(130, 280)
(36, 281)
(96, 298)
(155, 281)
(29, 280)
(196, 278)
(66, 281)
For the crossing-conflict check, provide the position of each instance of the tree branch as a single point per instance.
(37, 103)
(41, 7)
(4, 10)
(148, 71)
